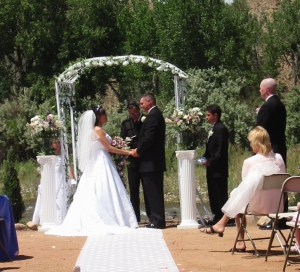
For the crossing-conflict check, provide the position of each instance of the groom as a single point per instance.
(151, 151)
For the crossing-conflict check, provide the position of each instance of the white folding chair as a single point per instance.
(291, 185)
(268, 196)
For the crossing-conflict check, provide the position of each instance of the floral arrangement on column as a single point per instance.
(46, 127)
(186, 122)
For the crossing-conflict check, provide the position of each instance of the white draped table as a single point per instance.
(49, 217)
(187, 189)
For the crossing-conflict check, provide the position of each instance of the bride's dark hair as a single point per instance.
(99, 111)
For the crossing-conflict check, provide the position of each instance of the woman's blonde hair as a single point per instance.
(260, 139)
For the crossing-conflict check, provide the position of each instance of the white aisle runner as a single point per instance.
(139, 250)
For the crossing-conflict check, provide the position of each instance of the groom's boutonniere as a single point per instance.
(210, 133)
(143, 118)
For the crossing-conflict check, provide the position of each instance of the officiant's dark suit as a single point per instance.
(131, 128)
(216, 154)
(272, 117)
(151, 151)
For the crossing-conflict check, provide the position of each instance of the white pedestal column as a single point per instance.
(187, 187)
(49, 217)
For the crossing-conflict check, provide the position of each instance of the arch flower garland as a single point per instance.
(71, 74)
(65, 90)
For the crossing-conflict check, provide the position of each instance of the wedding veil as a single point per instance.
(86, 138)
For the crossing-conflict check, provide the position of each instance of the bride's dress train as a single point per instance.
(100, 204)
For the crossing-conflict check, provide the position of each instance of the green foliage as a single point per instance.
(11, 186)
(218, 87)
(281, 41)
(113, 125)
(14, 114)
(31, 34)
(292, 103)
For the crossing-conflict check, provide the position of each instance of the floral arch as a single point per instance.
(65, 91)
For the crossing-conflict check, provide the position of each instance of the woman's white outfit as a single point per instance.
(100, 204)
(249, 190)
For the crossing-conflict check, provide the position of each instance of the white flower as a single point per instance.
(210, 133)
(109, 63)
(125, 63)
(179, 123)
(143, 118)
(168, 121)
(137, 60)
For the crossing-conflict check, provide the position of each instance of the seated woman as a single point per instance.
(265, 162)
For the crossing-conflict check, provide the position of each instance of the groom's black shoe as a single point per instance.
(152, 226)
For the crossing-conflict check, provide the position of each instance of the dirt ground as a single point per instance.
(191, 251)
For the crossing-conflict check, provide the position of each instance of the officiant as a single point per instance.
(130, 129)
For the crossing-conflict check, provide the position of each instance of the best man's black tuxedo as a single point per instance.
(272, 117)
(217, 173)
(151, 148)
(130, 129)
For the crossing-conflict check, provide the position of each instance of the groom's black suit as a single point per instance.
(151, 149)
(272, 117)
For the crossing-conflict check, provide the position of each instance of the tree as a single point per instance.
(282, 39)
(11, 186)
(31, 33)
(15, 113)
(292, 103)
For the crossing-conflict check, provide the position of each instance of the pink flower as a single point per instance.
(113, 142)
(257, 110)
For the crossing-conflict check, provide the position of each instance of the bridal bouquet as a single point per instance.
(120, 160)
(185, 119)
(45, 126)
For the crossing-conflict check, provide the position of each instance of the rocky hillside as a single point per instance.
(261, 7)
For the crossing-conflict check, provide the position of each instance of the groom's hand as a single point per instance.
(134, 153)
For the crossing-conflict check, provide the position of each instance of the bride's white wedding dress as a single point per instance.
(100, 204)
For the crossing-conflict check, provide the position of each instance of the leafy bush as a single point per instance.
(11, 186)
(292, 103)
(14, 114)
(217, 87)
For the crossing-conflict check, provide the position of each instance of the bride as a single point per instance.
(100, 204)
